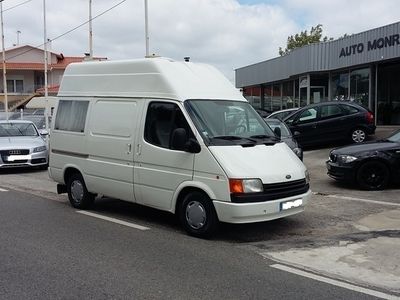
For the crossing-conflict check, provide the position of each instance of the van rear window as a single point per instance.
(71, 115)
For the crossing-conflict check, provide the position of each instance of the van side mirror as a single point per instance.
(180, 141)
(193, 146)
(277, 131)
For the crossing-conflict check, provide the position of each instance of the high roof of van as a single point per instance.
(148, 77)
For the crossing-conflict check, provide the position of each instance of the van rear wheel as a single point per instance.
(197, 215)
(78, 195)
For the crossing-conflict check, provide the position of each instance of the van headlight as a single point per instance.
(307, 176)
(39, 149)
(345, 159)
(240, 186)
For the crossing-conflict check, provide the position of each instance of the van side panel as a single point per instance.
(111, 136)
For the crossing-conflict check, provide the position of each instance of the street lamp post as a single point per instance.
(4, 62)
(90, 31)
(46, 91)
(146, 27)
(18, 33)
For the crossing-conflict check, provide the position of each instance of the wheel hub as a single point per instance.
(77, 191)
(358, 136)
(196, 215)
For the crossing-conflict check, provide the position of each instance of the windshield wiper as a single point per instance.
(233, 138)
(264, 136)
(227, 137)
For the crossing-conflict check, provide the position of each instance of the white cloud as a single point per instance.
(224, 33)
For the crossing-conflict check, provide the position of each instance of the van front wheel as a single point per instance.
(197, 215)
(78, 195)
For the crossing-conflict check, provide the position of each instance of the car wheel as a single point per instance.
(78, 195)
(197, 215)
(358, 135)
(373, 175)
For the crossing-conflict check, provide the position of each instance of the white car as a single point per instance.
(22, 145)
(281, 114)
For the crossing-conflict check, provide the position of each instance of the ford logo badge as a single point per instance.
(288, 176)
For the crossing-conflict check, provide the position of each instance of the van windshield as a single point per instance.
(223, 122)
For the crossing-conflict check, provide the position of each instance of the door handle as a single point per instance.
(129, 149)
(138, 149)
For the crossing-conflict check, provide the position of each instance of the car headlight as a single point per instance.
(245, 186)
(307, 176)
(39, 149)
(345, 159)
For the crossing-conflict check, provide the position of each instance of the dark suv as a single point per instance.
(331, 121)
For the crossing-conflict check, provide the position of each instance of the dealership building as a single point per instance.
(363, 67)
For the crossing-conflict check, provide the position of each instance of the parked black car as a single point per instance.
(331, 121)
(285, 135)
(371, 165)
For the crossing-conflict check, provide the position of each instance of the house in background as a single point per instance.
(25, 74)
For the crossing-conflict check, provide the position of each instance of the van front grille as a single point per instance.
(274, 191)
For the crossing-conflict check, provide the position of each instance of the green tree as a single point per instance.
(304, 38)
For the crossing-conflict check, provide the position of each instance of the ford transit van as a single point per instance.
(176, 136)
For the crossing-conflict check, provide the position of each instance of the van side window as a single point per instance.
(161, 120)
(71, 115)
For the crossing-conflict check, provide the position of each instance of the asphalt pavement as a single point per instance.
(345, 236)
(50, 251)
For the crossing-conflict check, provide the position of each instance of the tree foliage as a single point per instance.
(304, 38)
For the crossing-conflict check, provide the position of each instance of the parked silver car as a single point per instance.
(22, 145)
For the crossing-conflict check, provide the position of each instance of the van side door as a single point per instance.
(112, 131)
(159, 169)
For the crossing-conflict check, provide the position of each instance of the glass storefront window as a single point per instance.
(296, 93)
(340, 86)
(388, 94)
(287, 95)
(359, 86)
(253, 95)
(303, 97)
(268, 98)
(276, 97)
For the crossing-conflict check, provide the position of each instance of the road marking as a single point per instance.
(363, 200)
(335, 282)
(3, 190)
(132, 225)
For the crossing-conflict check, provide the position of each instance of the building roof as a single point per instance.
(35, 65)
(373, 46)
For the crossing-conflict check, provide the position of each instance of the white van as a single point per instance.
(176, 136)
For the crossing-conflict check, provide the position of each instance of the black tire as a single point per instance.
(197, 215)
(373, 175)
(358, 135)
(78, 195)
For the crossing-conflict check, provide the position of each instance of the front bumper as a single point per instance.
(28, 160)
(258, 211)
(339, 172)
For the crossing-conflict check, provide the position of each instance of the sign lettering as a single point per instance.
(383, 42)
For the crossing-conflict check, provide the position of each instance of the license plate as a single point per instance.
(291, 204)
(18, 157)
